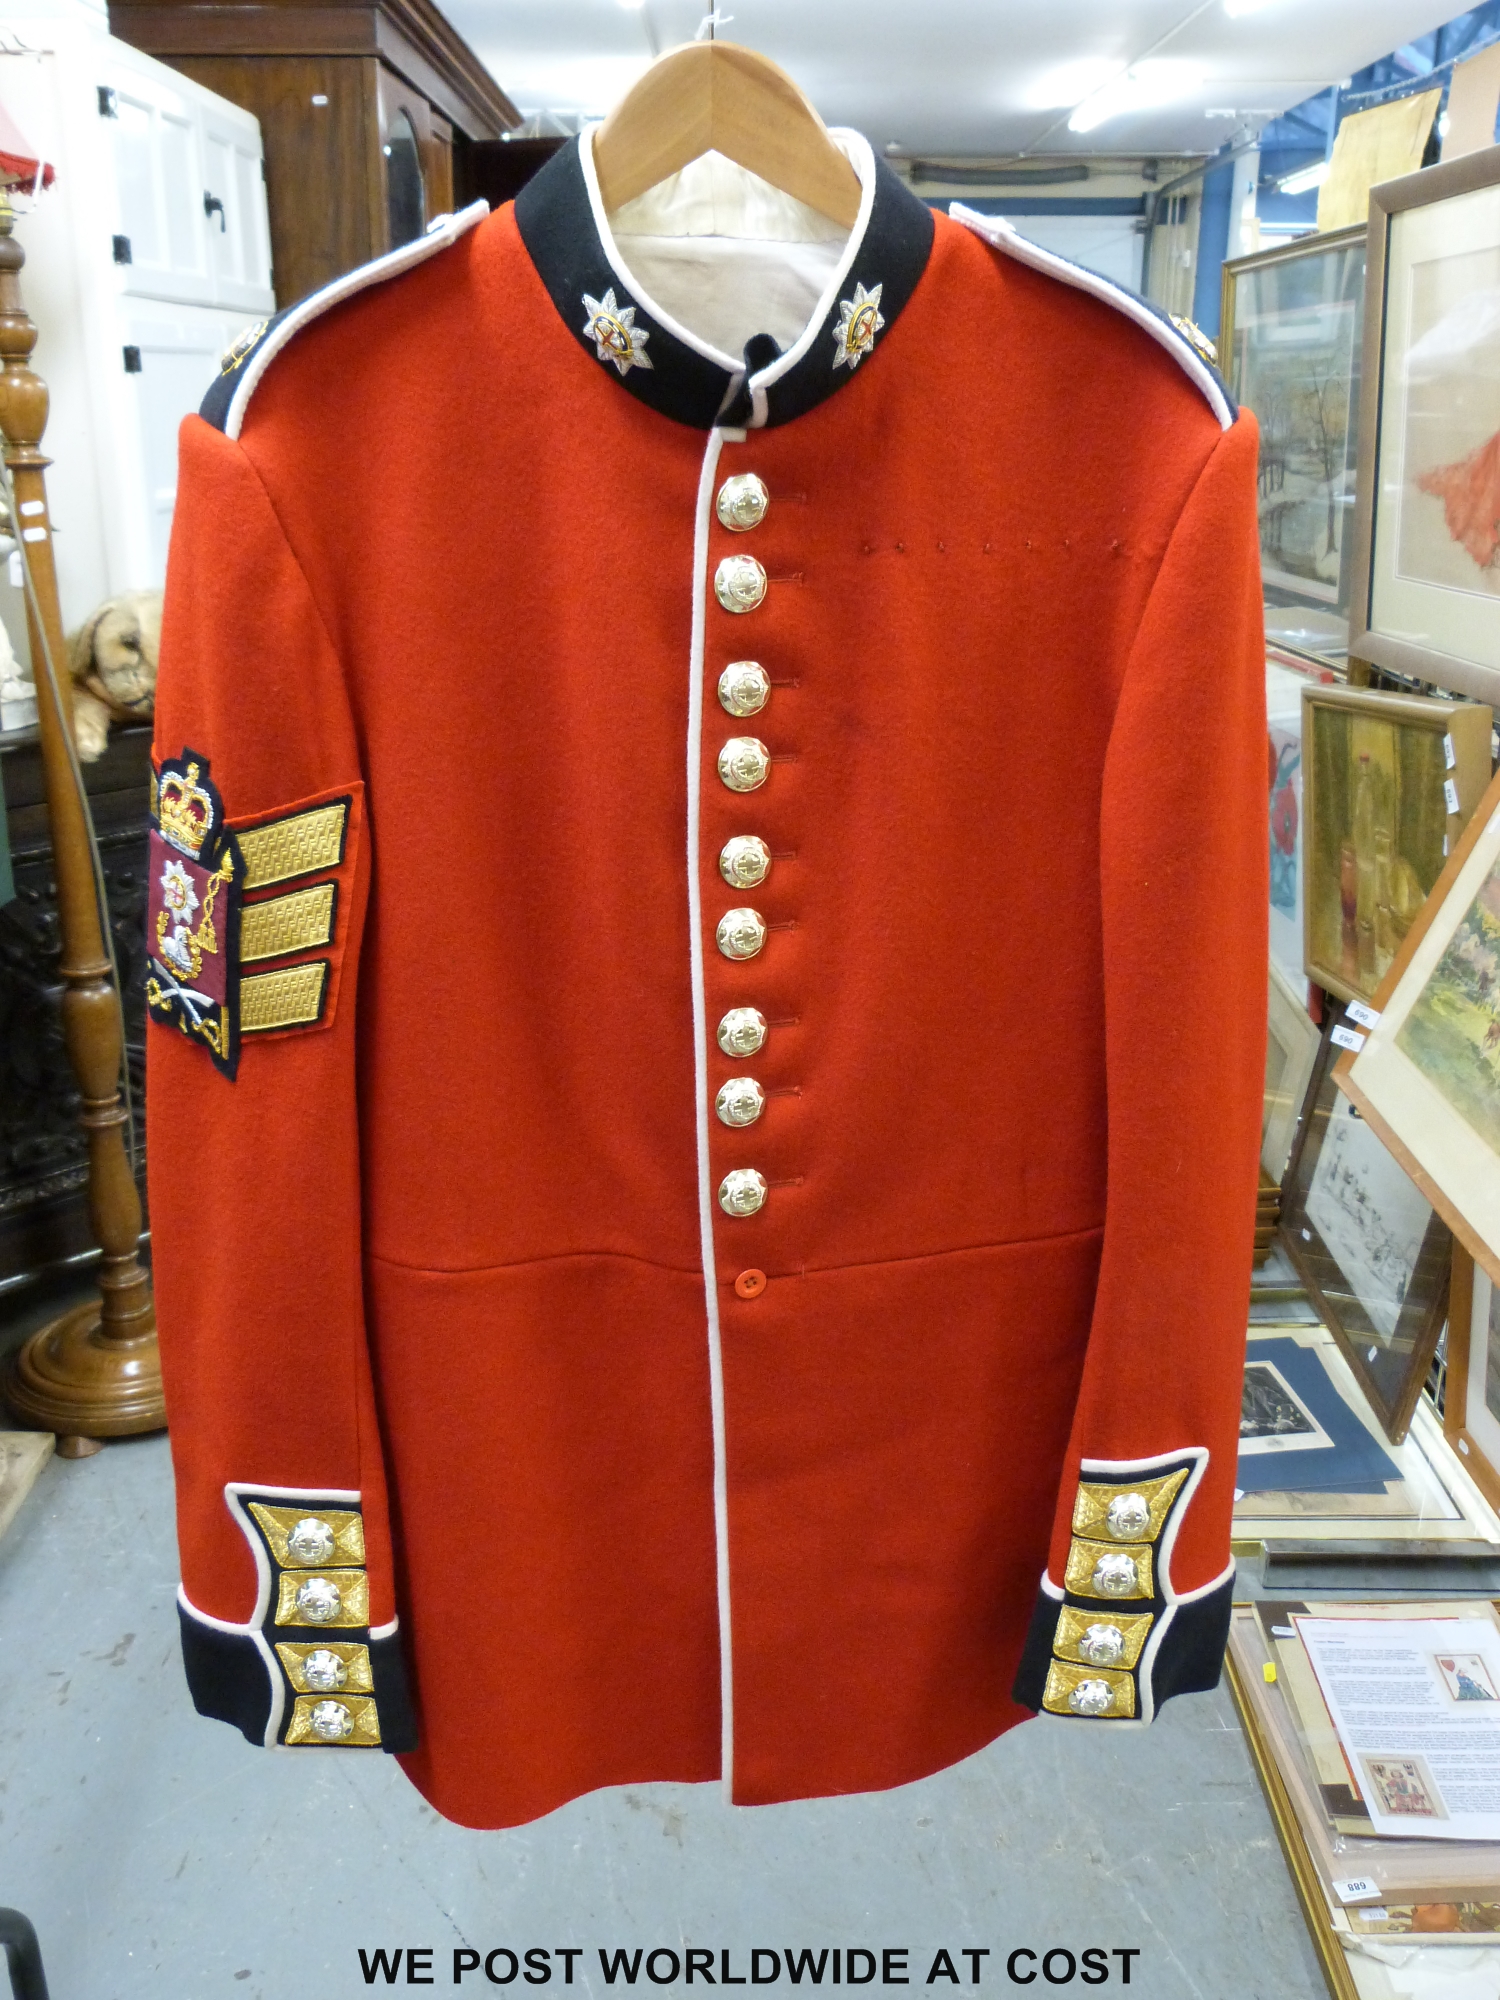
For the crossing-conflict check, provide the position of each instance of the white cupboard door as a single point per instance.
(157, 144)
(239, 245)
(173, 355)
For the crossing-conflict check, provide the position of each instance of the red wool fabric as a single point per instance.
(445, 1247)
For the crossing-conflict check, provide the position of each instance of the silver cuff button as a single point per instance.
(311, 1541)
(1091, 1698)
(331, 1721)
(1129, 1517)
(1116, 1576)
(324, 1671)
(319, 1600)
(1103, 1645)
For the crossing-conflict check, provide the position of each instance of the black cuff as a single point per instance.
(226, 1676)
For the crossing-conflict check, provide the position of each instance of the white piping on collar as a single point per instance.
(1001, 236)
(441, 232)
(857, 148)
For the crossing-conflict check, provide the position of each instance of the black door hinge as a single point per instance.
(132, 361)
(122, 250)
(109, 104)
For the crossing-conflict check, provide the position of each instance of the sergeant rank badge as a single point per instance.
(193, 910)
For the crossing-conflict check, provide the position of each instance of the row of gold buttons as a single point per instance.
(744, 764)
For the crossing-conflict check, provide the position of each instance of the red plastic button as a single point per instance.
(750, 1284)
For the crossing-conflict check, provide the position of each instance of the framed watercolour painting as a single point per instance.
(1471, 1411)
(1427, 1074)
(1388, 782)
(1425, 599)
(1290, 337)
(1366, 1243)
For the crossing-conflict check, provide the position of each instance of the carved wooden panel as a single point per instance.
(43, 1156)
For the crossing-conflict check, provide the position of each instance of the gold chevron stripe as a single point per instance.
(294, 846)
(290, 999)
(296, 922)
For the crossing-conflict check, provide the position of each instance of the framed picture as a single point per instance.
(1425, 599)
(1388, 783)
(1367, 1244)
(1290, 336)
(1286, 676)
(1471, 1413)
(1427, 1074)
(1292, 1041)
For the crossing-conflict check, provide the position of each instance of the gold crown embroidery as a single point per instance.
(185, 811)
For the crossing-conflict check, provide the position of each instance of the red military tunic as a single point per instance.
(679, 1194)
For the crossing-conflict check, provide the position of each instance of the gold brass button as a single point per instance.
(744, 763)
(743, 1191)
(743, 1031)
(740, 1101)
(745, 861)
(739, 583)
(743, 501)
(741, 933)
(750, 1284)
(744, 687)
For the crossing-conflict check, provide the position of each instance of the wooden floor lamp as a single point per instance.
(95, 1372)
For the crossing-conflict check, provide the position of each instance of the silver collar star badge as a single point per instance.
(615, 335)
(859, 322)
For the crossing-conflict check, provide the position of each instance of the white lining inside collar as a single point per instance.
(757, 272)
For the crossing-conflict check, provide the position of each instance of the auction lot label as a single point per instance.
(761, 1965)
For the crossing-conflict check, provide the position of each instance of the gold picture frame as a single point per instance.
(1425, 595)
(1388, 783)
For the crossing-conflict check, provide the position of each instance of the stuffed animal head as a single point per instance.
(114, 655)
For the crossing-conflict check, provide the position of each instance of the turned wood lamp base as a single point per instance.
(83, 1383)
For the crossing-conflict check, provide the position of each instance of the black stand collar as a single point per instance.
(568, 238)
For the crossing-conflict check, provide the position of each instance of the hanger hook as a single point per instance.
(712, 21)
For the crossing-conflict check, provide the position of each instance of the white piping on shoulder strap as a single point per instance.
(442, 232)
(999, 233)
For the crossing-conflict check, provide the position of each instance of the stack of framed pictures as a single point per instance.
(1382, 1849)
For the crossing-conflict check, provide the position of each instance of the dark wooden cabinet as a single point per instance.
(361, 105)
(44, 1223)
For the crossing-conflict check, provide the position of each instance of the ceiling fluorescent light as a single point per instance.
(1058, 89)
(1305, 179)
(1234, 8)
(1142, 88)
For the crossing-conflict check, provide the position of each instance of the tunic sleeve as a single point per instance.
(260, 862)
(1134, 1604)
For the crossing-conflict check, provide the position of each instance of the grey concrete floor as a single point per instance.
(160, 1855)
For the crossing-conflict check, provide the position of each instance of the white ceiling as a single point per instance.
(981, 77)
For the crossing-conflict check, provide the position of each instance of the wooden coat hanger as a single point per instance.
(723, 98)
